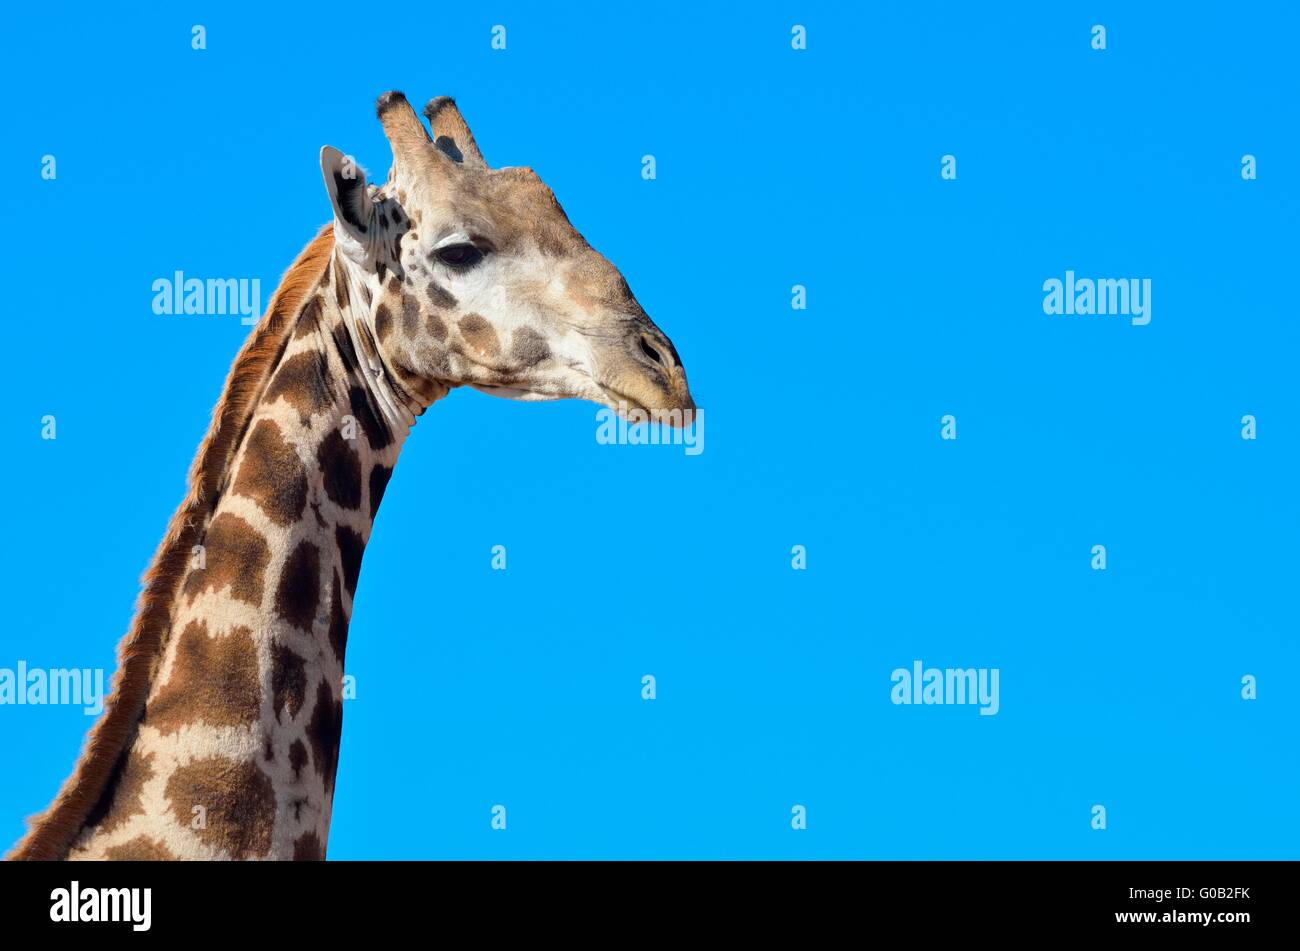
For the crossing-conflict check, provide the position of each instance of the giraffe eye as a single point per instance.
(459, 255)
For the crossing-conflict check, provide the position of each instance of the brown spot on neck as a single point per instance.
(297, 758)
(303, 381)
(272, 475)
(236, 555)
(237, 801)
(372, 424)
(298, 593)
(351, 548)
(308, 848)
(340, 468)
(288, 682)
(214, 680)
(379, 476)
(324, 732)
(309, 319)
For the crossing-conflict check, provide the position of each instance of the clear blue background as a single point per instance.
(775, 167)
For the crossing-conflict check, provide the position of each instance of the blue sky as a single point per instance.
(775, 167)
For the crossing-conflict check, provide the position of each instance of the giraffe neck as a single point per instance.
(236, 753)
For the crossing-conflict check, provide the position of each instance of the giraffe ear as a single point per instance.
(354, 212)
(450, 133)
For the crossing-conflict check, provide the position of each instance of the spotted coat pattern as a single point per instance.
(236, 753)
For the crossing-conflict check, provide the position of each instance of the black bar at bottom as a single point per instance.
(1223, 901)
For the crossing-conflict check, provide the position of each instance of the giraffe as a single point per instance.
(220, 739)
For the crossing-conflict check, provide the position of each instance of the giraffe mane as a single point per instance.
(51, 833)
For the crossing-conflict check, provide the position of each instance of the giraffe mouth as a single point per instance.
(623, 404)
(635, 411)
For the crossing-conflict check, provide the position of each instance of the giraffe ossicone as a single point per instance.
(221, 737)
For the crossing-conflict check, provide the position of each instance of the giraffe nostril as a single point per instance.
(650, 351)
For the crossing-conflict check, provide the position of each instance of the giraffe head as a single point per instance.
(473, 276)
